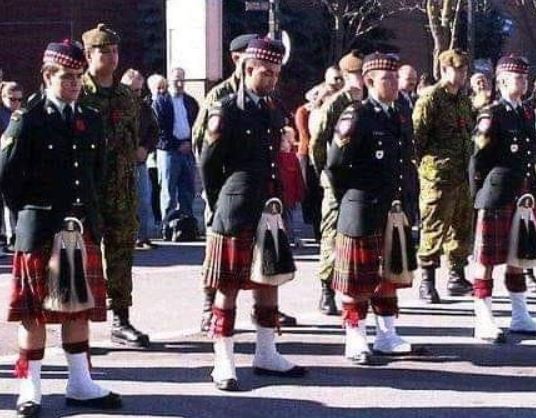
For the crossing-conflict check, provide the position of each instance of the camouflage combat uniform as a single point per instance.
(443, 123)
(321, 136)
(119, 112)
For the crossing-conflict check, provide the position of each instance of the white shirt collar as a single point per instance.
(60, 104)
(385, 106)
(513, 105)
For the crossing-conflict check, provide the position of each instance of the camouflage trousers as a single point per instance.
(328, 232)
(446, 221)
(118, 258)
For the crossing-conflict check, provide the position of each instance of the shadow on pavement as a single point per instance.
(231, 406)
(171, 255)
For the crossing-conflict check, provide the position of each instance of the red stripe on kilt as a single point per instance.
(357, 261)
(29, 287)
(228, 261)
(492, 236)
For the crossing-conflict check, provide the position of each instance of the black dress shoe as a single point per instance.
(361, 359)
(110, 401)
(499, 339)
(227, 385)
(28, 409)
(286, 320)
(296, 371)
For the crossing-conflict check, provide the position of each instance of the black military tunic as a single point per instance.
(366, 163)
(238, 162)
(49, 170)
(503, 164)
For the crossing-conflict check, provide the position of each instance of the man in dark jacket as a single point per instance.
(239, 173)
(176, 113)
(502, 174)
(148, 129)
(52, 167)
(366, 163)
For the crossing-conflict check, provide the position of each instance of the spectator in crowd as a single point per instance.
(156, 84)
(291, 179)
(148, 129)
(176, 113)
(12, 96)
(481, 91)
(407, 84)
(425, 80)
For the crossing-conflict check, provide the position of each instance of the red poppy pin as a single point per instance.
(528, 114)
(116, 116)
(80, 125)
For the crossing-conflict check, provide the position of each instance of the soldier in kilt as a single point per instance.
(502, 171)
(239, 174)
(322, 130)
(366, 164)
(51, 166)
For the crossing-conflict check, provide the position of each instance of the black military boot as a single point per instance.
(206, 316)
(457, 284)
(327, 303)
(530, 279)
(427, 289)
(124, 333)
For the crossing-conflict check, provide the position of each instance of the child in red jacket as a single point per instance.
(292, 180)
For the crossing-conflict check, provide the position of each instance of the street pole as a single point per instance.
(273, 20)
(471, 33)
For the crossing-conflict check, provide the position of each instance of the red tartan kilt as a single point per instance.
(492, 236)
(29, 287)
(357, 264)
(228, 261)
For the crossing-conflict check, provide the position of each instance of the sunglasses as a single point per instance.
(15, 99)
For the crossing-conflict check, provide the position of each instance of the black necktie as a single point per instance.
(262, 104)
(391, 112)
(68, 115)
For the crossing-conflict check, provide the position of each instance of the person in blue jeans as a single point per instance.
(148, 136)
(176, 112)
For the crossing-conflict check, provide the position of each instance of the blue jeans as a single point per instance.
(176, 173)
(145, 212)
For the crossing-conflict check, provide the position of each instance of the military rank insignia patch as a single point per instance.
(5, 141)
(345, 128)
(484, 124)
(214, 127)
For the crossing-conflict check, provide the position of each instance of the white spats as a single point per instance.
(80, 386)
(485, 326)
(356, 341)
(224, 366)
(30, 386)
(521, 320)
(266, 355)
(387, 341)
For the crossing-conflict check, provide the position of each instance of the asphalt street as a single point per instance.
(450, 375)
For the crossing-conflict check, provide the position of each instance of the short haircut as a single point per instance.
(154, 80)
(7, 86)
(130, 75)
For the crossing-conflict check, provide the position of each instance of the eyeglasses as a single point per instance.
(14, 99)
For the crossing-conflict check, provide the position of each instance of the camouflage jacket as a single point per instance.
(119, 111)
(218, 92)
(442, 125)
(324, 126)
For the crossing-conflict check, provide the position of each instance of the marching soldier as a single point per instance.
(231, 85)
(321, 135)
(442, 122)
(119, 112)
(239, 173)
(366, 164)
(502, 181)
(52, 164)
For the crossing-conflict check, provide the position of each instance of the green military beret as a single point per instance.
(454, 58)
(351, 62)
(100, 36)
